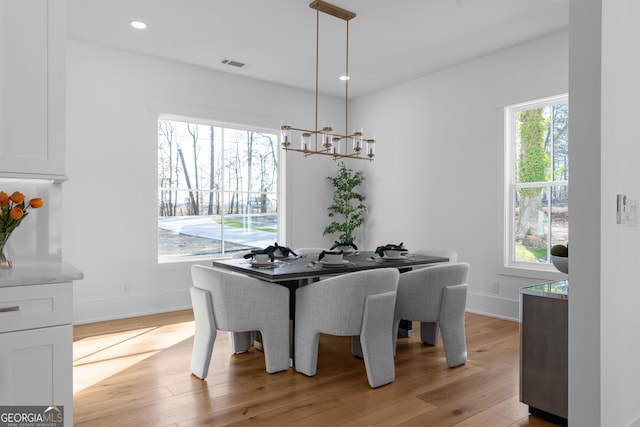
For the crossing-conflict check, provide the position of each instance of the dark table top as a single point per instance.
(307, 266)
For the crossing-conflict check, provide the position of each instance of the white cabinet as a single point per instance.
(36, 346)
(27, 373)
(32, 87)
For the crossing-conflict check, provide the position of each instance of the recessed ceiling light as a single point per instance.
(344, 78)
(138, 25)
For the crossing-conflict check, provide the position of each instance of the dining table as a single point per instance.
(305, 267)
(301, 270)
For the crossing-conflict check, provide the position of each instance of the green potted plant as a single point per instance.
(347, 208)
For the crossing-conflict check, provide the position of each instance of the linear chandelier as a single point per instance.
(326, 141)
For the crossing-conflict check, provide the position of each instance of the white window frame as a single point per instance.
(281, 203)
(510, 187)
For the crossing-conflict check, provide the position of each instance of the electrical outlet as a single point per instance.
(125, 288)
(495, 287)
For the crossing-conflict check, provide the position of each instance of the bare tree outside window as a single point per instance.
(217, 188)
(166, 144)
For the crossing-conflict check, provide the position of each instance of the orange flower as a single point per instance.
(35, 203)
(16, 213)
(17, 197)
(14, 208)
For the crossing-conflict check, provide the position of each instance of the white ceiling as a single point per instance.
(390, 41)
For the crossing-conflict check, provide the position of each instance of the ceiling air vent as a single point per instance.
(234, 63)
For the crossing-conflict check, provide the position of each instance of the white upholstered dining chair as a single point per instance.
(228, 301)
(360, 305)
(436, 296)
(405, 325)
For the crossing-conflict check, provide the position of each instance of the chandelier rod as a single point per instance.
(317, 68)
(346, 86)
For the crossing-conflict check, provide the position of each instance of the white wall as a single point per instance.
(620, 246)
(584, 226)
(110, 205)
(603, 315)
(438, 177)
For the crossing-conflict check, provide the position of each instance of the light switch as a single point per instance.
(631, 213)
(626, 211)
(621, 204)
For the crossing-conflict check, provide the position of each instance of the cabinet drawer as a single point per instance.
(35, 306)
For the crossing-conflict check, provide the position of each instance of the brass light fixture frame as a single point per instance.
(330, 140)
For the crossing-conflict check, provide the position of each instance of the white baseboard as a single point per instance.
(129, 305)
(492, 306)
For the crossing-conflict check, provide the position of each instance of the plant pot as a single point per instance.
(561, 263)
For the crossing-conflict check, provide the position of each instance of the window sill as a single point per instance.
(179, 263)
(545, 273)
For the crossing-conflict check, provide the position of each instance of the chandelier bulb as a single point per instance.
(335, 146)
(357, 140)
(326, 137)
(371, 148)
(305, 142)
(286, 135)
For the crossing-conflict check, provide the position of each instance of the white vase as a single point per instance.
(5, 251)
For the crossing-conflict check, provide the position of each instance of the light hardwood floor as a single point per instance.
(135, 372)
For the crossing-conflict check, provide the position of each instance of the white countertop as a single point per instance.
(39, 274)
(557, 290)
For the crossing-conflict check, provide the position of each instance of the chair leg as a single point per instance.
(405, 329)
(205, 333)
(356, 346)
(396, 326)
(306, 351)
(429, 333)
(276, 348)
(377, 338)
(452, 325)
(240, 341)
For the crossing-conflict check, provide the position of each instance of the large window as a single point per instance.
(537, 181)
(217, 188)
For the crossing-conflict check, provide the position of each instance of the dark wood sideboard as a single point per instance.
(544, 320)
